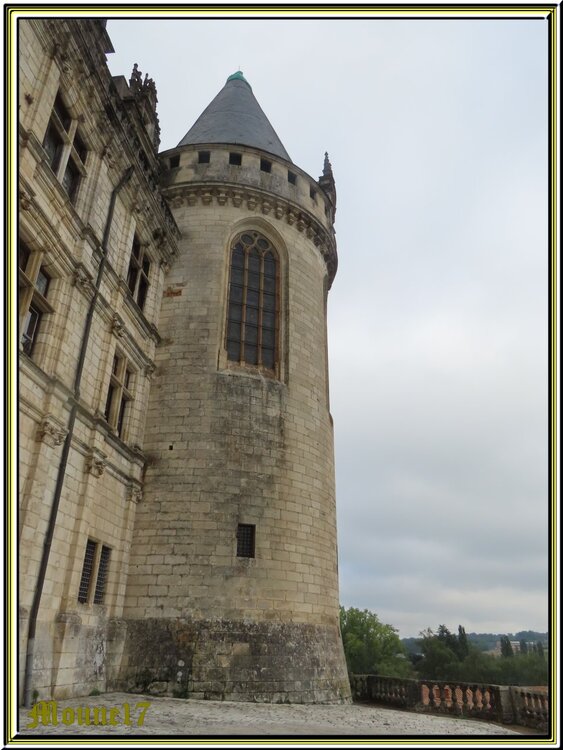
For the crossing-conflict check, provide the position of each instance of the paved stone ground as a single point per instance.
(197, 718)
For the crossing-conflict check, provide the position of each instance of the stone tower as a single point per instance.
(232, 589)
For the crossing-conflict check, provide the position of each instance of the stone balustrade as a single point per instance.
(506, 704)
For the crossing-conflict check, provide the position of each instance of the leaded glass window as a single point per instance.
(252, 316)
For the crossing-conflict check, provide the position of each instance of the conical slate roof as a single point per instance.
(234, 116)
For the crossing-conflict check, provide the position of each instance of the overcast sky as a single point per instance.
(437, 134)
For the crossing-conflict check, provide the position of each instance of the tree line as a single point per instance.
(372, 647)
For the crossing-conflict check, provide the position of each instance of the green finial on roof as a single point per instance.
(238, 76)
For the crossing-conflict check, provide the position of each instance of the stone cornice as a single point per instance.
(260, 201)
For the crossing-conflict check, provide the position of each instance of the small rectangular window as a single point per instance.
(235, 159)
(265, 165)
(138, 273)
(30, 329)
(291, 178)
(174, 161)
(246, 539)
(119, 396)
(34, 287)
(313, 194)
(203, 157)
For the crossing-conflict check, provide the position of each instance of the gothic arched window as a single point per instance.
(252, 316)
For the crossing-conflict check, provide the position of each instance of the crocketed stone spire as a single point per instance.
(235, 116)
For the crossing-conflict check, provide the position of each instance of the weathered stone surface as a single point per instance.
(230, 660)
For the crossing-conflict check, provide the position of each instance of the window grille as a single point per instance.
(246, 539)
(252, 316)
(87, 568)
(102, 575)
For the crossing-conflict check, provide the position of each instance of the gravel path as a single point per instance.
(196, 718)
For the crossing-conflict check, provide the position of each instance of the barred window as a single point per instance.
(138, 273)
(252, 316)
(65, 149)
(246, 540)
(102, 575)
(87, 568)
(95, 566)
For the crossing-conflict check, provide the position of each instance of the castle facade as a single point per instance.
(177, 525)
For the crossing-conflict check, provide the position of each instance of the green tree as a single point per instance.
(539, 649)
(370, 646)
(523, 647)
(506, 647)
(462, 643)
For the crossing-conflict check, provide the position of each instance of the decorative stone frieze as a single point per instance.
(256, 200)
(51, 431)
(96, 462)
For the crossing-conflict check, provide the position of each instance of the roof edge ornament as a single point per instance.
(238, 76)
(326, 181)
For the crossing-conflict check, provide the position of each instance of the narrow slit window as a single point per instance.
(246, 540)
(291, 178)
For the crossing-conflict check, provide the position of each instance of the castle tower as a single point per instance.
(232, 590)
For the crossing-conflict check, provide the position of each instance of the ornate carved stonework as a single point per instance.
(51, 431)
(117, 325)
(134, 493)
(83, 280)
(25, 201)
(96, 462)
(255, 200)
(150, 369)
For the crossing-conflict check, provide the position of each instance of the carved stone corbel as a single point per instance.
(266, 207)
(25, 200)
(117, 325)
(96, 462)
(150, 369)
(82, 279)
(51, 431)
(134, 493)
